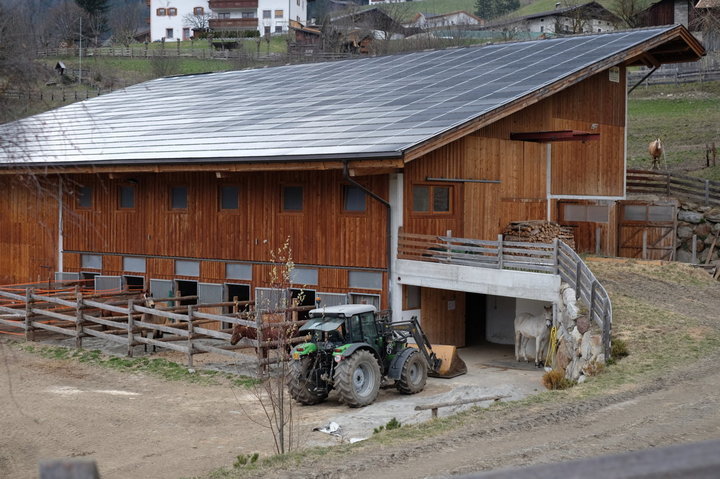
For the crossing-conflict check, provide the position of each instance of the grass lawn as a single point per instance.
(685, 117)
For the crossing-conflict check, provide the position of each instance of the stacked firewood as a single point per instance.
(538, 231)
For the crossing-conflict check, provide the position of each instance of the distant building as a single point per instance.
(445, 20)
(586, 18)
(169, 18)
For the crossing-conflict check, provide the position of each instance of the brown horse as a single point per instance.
(271, 333)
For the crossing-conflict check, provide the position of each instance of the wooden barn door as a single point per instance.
(443, 316)
(646, 230)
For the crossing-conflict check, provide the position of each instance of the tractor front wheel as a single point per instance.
(357, 379)
(413, 376)
(304, 382)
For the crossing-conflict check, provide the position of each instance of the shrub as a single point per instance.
(618, 348)
(556, 379)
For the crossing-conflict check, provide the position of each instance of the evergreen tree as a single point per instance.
(489, 9)
(94, 7)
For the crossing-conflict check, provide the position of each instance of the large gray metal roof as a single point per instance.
(364, 108)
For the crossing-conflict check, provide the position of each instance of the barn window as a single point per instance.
(179, 197)
(365, 279)
(160, 12)
(412, 297)
(586, 213)
(359, 298)
(238, 271)
(133, 264)
(126, 198)
(353, 198)
(92, 261)
(307, 276)
(431, 199)
(85, 197)
(187, 268)
(292, 198)
(229, 197)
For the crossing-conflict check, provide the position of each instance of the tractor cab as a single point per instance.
(344, 324)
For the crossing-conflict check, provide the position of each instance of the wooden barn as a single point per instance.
(185, 184)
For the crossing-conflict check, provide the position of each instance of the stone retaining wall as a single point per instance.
(703, 222)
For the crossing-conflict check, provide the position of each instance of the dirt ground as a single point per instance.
(135, 425)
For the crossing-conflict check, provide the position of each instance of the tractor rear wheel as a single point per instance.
(413, 376)
(304, 382)
(357, 379)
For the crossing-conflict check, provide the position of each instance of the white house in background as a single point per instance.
(167, 17)
(586, 18)
(445, 20)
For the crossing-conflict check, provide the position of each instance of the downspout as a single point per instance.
(346, 176)
(60, 226)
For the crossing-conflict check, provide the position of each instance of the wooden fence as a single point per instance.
(554, 258)
(123, 318)
(671, 184)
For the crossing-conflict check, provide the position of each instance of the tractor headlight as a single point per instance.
(338, 358)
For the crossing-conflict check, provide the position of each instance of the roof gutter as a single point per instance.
(388, 226)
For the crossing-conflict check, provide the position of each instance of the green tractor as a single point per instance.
(353, 349)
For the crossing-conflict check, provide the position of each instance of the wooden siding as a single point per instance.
(28, 233)
(593, 168)
(586, 231)
(321, 234)
(443, 316)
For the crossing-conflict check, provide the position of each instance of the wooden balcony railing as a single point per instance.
(233, 23)
(553, 258)
(231, 4)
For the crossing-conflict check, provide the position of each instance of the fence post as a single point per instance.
(79, 306)
(667, 184)
(707, 192)
(130, 327)
(191, 330)
(606, 329)
(556, 255)
(592, 300)
(598, 240)
(29, 329)
(261, 351)
(694, 249)
(578, 266)
(500, 251)
(644, 244)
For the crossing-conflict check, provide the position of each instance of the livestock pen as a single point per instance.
(122, 317)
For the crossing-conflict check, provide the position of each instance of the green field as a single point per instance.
(685, 117)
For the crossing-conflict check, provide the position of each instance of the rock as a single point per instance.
(685, 232)
(683, 256)
(583, 324)
(688, 205)
(564, 354)
(690, 216)
(704, 209)
(713, 215)
(576, 335)
(703, 229)
(709, 240)
(715, 228)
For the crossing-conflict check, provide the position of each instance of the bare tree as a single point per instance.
(197, 22)
(630, 11)
(125, 21)
(62, 25)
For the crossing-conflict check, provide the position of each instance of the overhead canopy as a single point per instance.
(381, 107)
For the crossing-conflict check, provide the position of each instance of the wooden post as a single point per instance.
(190, 336)
(606, 329)
(577, 279)
(261, 351)
(694, 249)
(592, 299)
(79, 332)
(29, 329)
(598, 240)
(667, 184)
(707, 192)
(500, 251)
(130, 327)
(556, 256)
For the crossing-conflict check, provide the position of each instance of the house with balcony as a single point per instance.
(391, 178)
(172, 20)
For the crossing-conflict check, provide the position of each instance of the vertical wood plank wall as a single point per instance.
(443, 316)
(28, 230)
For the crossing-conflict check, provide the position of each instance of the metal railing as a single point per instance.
(552, 258)
(672, 184)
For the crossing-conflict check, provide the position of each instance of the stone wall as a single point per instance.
(703, 222)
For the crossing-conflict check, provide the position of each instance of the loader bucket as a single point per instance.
(450, 363)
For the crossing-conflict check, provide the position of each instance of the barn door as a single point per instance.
(647, 230)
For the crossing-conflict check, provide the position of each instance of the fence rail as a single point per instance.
(131, 323)
(553, 258)
(671, 184)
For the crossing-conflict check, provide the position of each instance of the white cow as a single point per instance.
(528, 326)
